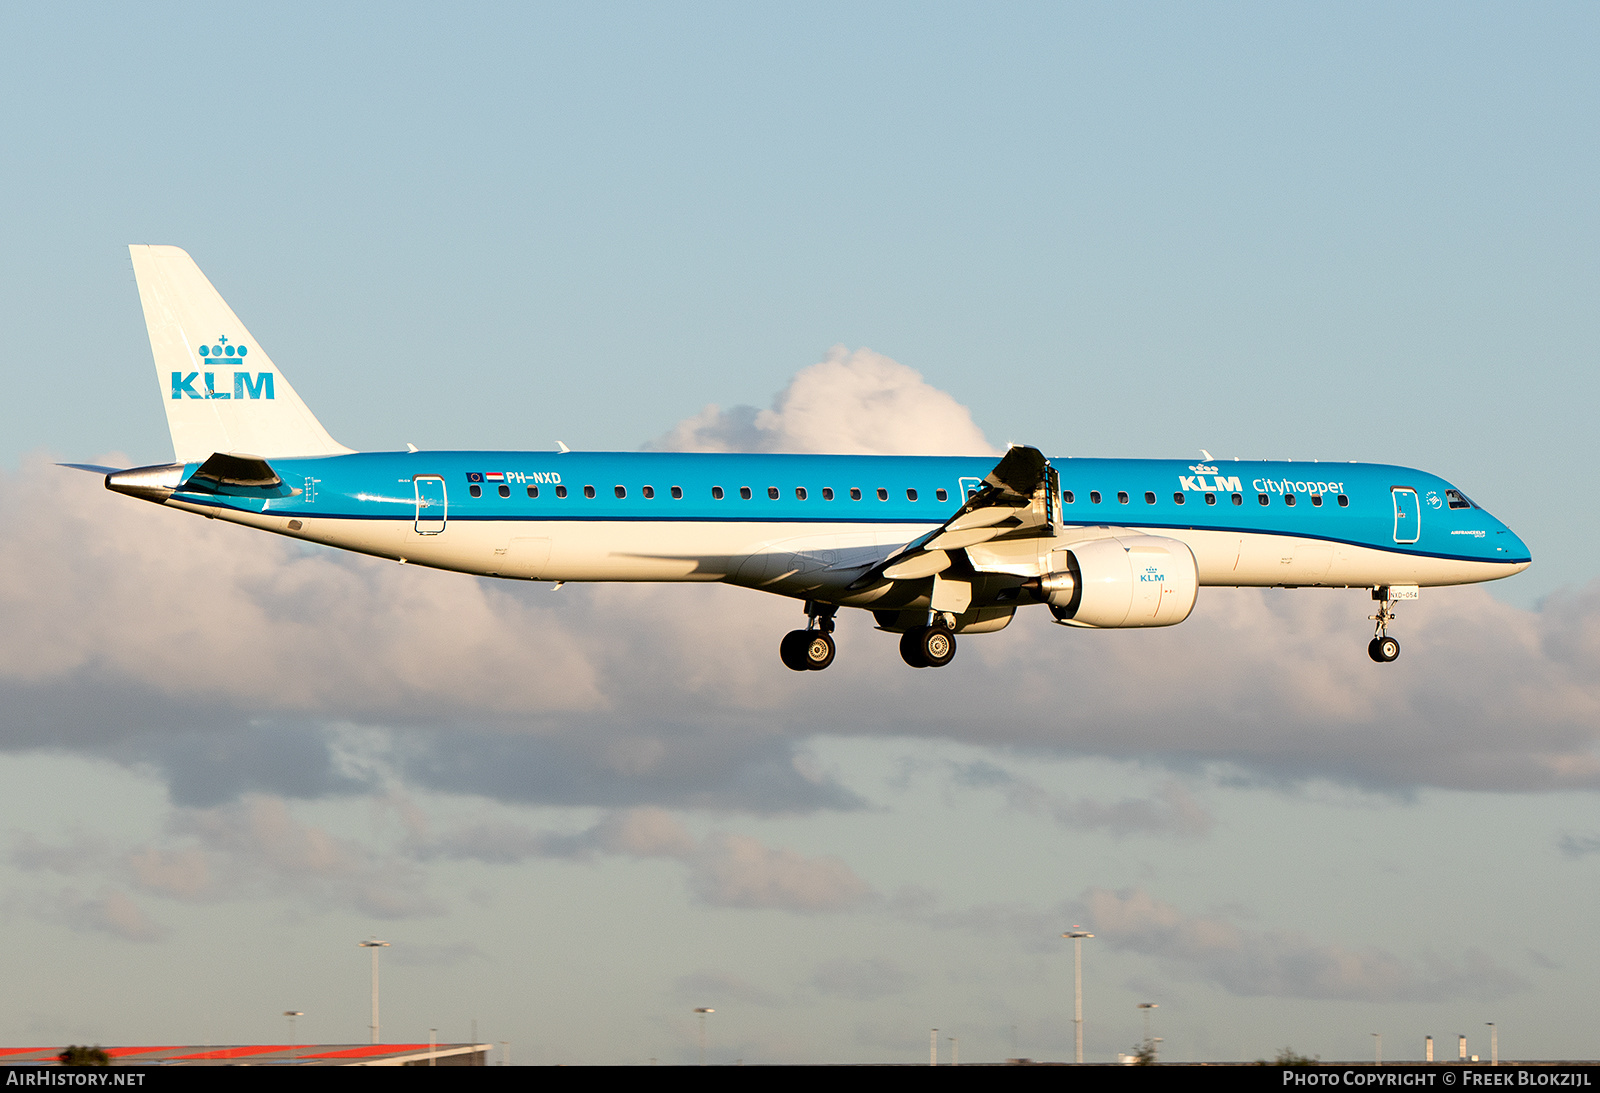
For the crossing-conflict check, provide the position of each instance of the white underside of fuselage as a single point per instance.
(811, 560)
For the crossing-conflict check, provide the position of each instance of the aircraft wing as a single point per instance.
(1015, 501)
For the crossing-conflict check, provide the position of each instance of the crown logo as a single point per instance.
(223, 349)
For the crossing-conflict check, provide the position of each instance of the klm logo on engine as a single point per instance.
(1152, 575)
(253, 385)
(1219, 483)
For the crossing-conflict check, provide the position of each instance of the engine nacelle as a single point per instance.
(1134, 580)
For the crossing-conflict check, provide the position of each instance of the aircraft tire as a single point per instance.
(792, 650)
(911, 648)
(938, 646)
(1383, 650)
(818, 650)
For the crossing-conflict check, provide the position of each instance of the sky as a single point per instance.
(1365, 232)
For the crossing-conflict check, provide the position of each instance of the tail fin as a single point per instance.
(222, 392)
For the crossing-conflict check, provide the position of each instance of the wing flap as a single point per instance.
(1015, 501)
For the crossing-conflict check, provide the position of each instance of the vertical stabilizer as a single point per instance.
(221, 390)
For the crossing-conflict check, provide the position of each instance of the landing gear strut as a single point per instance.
(1382, 648)
(931, 646)
(811, 649)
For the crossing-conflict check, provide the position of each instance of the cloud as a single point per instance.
(1283, 964)
(861, 980)
(1172, 811)
(737, 871)
(851, 403)
(724, 870)
(111, 912)
(251, 848)
(236, 663)
(1576, 844)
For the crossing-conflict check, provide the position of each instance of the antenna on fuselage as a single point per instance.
(1209, 458)
(563, 447)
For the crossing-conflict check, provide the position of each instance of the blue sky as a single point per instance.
(1288, 232)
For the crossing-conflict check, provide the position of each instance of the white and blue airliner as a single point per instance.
(932, 546)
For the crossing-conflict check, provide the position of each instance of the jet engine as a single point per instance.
(1132, 580)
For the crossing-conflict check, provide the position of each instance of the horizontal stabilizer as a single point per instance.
(236, 476)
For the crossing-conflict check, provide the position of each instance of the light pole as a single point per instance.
(702, 1011)
(294, 1052)
(1077, 934)
(374, 944)
(933, 1047)
(1494, 1044)
(1377, 1058)
(1149, 1043)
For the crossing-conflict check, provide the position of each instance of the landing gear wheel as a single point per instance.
(911, 649)
(928, 647)
(792, 650)
(818, 649)
(1383, 650)
(807, 650)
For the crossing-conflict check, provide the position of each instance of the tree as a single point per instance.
(74, 1055)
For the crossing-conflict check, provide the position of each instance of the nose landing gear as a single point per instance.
(1382, 648)
(811, 649)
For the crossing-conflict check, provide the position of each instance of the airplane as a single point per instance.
(933, 546)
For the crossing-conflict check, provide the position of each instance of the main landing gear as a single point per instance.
(928, 646)
(811, 649)
(1382, 648)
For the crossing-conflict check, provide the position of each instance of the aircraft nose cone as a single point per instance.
(1510, 546)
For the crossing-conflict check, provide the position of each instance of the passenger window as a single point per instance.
(475, 490)
(883, 494)
(1316, 500)
(911, 495)
(677, 493)
(1094, 497)
(744, 493)
(772, 493)
(1262, 498)
(649, 492)
(1177, 499)
(799, 493)
(620, 491)
(941, 495)
(716, 493)
(1066, 495)
(1211, 499)
(505, 490)
(588, 491)
(855, 493)
(1149, 498)
(1288, 499)
(1344, 502)
(827, 493)
(561, 491)
(1238, 499)
(533, 491)
(1122, 497)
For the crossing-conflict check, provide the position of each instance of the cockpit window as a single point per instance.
(1458, 500)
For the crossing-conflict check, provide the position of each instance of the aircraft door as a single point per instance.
(1407, 515)
(431, 504)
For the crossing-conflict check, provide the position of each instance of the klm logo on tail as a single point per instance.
(245, 384)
